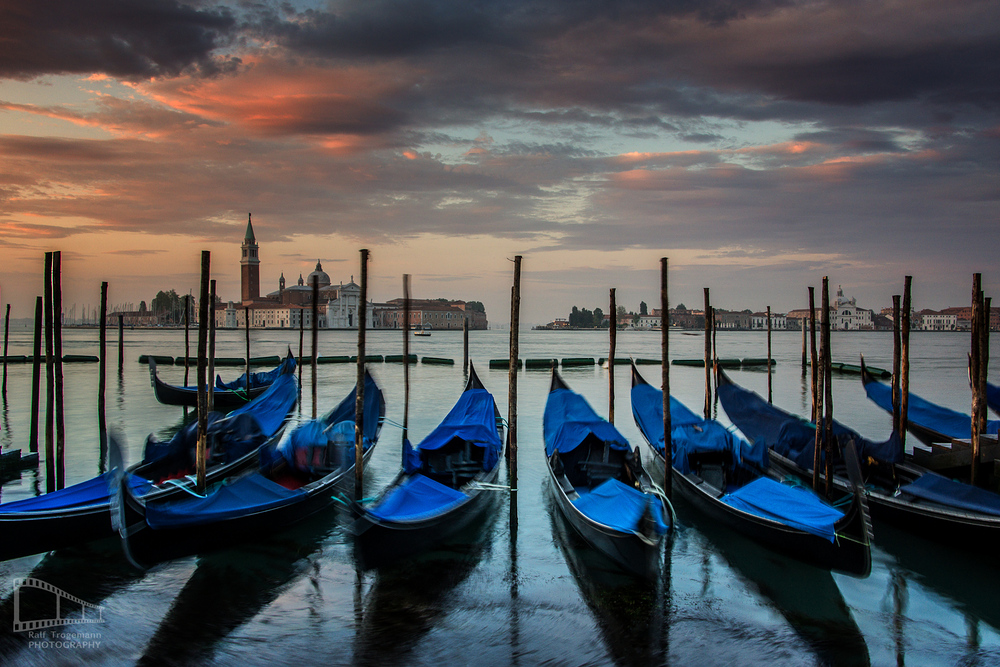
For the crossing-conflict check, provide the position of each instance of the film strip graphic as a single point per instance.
(60, 595)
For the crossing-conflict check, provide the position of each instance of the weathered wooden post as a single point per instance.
(769, 355)
(904, 367)
(6, 336)
(895, 362)
(828, 389)
(50, 385)
(315, 325)
(202, 368)
(246, 329)
(187, 340)
(211, 347)
(359, 409)
(515, 310)
(709, 316)
(975, 368)
(818, 379)
(814, 359)
(57, 361)
(668, 452)
(121, 342)
(805, 355)
(102, 419)
(406, 364)
(302, 319)
(36, 367)
(465, 342)
(611, 358)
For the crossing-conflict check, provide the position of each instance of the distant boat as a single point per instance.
(226, 396)
(421, 332)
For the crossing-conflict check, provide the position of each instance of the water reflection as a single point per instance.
(630, 612)
(408, 598)
(91, 573)
(805, 595)
(230, 587)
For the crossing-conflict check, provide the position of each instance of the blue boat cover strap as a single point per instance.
(569, 420)
(938, 489)
(242, 497)
(921, 412)
(94, 491)
(473, 420)
(790, 436)
(620, 506)
(416, 498)
(689, 433)
(792, 506)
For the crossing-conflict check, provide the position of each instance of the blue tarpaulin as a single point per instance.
(473, 420)
(959, 495)
(92, 492)
(241, 497)
(791, 506)
(689, 432)
(260, 379)
(993, 397)
(620, 506)
(569, 419)
(790, 436)
(418, 497)
(921, 412)
(271, 407)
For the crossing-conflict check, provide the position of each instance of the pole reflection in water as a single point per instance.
(515, 617)
(628, 610)
(228, 588)
(408, 598)
(806, 596)
(900, 598)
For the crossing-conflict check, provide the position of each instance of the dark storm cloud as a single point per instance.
(126, 38)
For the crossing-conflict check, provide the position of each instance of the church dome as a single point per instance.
(324, 279)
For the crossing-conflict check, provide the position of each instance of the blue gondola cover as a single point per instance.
(791, 506)
(91, 492)
(260, 379)
(790, 436)
(922, 412)
(271, 407)
(569, 419)
(620, 506)
(993, 397)
(244, 496)
(472, 419)
(938, 489)
(689, 432)
(417, 498)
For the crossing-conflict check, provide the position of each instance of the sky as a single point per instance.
(759, 145)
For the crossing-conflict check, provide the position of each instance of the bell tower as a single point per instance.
(250, 266)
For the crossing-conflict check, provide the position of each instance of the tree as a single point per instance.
(643, 308)
(680, 306)
(622, 314)
(142, 307)
(476, 306)
(598, 317)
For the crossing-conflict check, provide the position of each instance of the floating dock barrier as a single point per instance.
(342, 359)
(540, 363)
(439, 361)
(369, 358)
(577, 361)
(398, 358)
(504, 363)
(80, 358)
(14, 358)
(618, 360)
(159, 359)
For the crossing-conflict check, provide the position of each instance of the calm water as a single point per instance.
(535, 597)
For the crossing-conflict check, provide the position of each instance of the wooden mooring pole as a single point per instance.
(121, 342)
(36, 367)
(57, 362)
(613, 332)
(814, 361)
(769, 394)
(211, 347)
(315, 342)
(827, 389)
(805, 353)
(668, 452)
(515, 311)
(102, 380)
(406, 364)
(50, 385)
(465, 343)
(904, 363)
(302, 319)
(895, 361)
(975, 372)
(203, 300)
(6, 337)
(187, 339)
(708, 355)
(246, 329)
(359, 409)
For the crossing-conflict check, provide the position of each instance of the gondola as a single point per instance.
(443, 486)
(295, 478)
(898, 491)
(225, 396)
(726, 478)
(79, 513)
(600, 485)
(929, 422)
